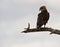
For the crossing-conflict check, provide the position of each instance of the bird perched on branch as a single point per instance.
(43, 17)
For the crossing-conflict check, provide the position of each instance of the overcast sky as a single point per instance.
(14, 17)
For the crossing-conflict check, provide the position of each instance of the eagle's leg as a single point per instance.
(38, 27)
(44, 26)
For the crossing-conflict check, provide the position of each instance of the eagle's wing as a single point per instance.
(45, 18)
(40, 19)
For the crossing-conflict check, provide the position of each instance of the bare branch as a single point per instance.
(53, 31)
(42, 29)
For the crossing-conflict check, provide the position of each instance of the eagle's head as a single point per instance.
(42, 8)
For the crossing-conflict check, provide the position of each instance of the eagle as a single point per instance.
(43, 17)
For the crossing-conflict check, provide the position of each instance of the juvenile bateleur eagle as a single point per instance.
(43, 17)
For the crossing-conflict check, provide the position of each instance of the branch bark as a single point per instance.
(53, 31)
(42, 29)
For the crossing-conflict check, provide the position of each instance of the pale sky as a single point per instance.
(14, 17)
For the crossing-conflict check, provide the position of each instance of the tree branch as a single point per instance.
(53, 31)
